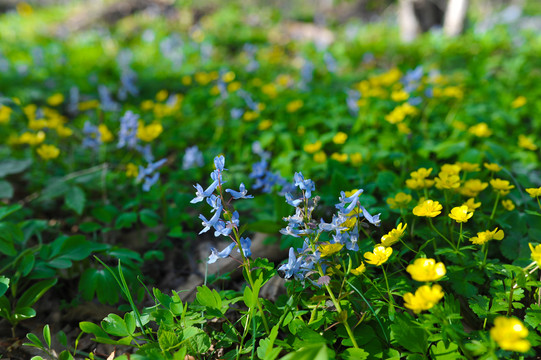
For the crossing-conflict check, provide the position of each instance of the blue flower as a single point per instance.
(200, 194)
(245, 243)
(335, 225)
(193, 157)
(306, 185)
(290, 201)
(241, 194)
(214, 254)
(352, 200)
(290, 230)
(127, 135)
(221, 229)
(219, 162)
(214, 201)
(149, 174)
(212, 222)
(293, 266)
(374, 220)
(92, 136)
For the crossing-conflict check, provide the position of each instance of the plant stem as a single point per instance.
(388, 289)
(494, 208)
(339, 309)
(440, 234)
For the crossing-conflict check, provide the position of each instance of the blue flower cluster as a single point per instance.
(229, 225)
(149, 174)
(264, 178)
(302, 224)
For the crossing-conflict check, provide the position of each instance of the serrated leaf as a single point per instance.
(355, 354)
(441, 352)
(317, 352)
(7, 210)
(409, 334)
(75, 199)
(149, 217)
(167, 339)
(533, 316)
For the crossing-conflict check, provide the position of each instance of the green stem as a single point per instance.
(440, 234)
(485, 250)
(388, 289)
(494, 208)
(459, 237)
(339, 309)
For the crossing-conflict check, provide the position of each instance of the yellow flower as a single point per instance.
(459, 125)
(428, 208)
(403, 128)
(424, 299)
(105, 134)
(47, 152)
(162, 95)
(468, 167)
(264, 124)
(88, 105)
(485, 236)
(473, 187)
(339, 157)
(446, 180)
(228, 76)
(508, 204)
(480, 130)
(202, 78)
(399, 95)
(536, 253)
(501, 186)
(471, 204)
(526, 143)
(312, 148)
(55, 99)
(417, 184)
(492, 167)
(379, 256)
(329, 249)
(132, 170)
(425, 270)
(186, 80)
(421, 173)
(294, 105)
(234, 86)
(534, 192)
(301, 130)
(400, 201)
(518, 102)
(149, 132)
(359, 270)
(340, 137)
(356, 159)
(460, 214)
(32, 139)
(63, 131)
(320, 157)
(24, 9)
(393, 236)
(5, 113)
(270, 90)
(510, 334)
(451, 169)
(250, 115)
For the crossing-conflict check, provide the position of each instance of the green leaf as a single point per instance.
(167, 339)
(318, 352)
(75, 199)
(35, 292)
(115, 325)
(4, 284)
(9, 167)
(23, 313)
(91, 328)
(65, 355)
(355, 354)
(126, 220)
(533, 316)
(89, 227)
(479, 305)
(441, 352)
(209, 298)
(34, 340)
(6, 190)
(105, 213)
(198, 339)
(149, 217)
(47, 335)
(6, 210)
(531, 212)
(409, 334)
(26, 264)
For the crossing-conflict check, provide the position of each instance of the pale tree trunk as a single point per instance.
(409, 24)
(455, 16)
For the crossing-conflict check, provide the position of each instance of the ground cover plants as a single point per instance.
(402, 184)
